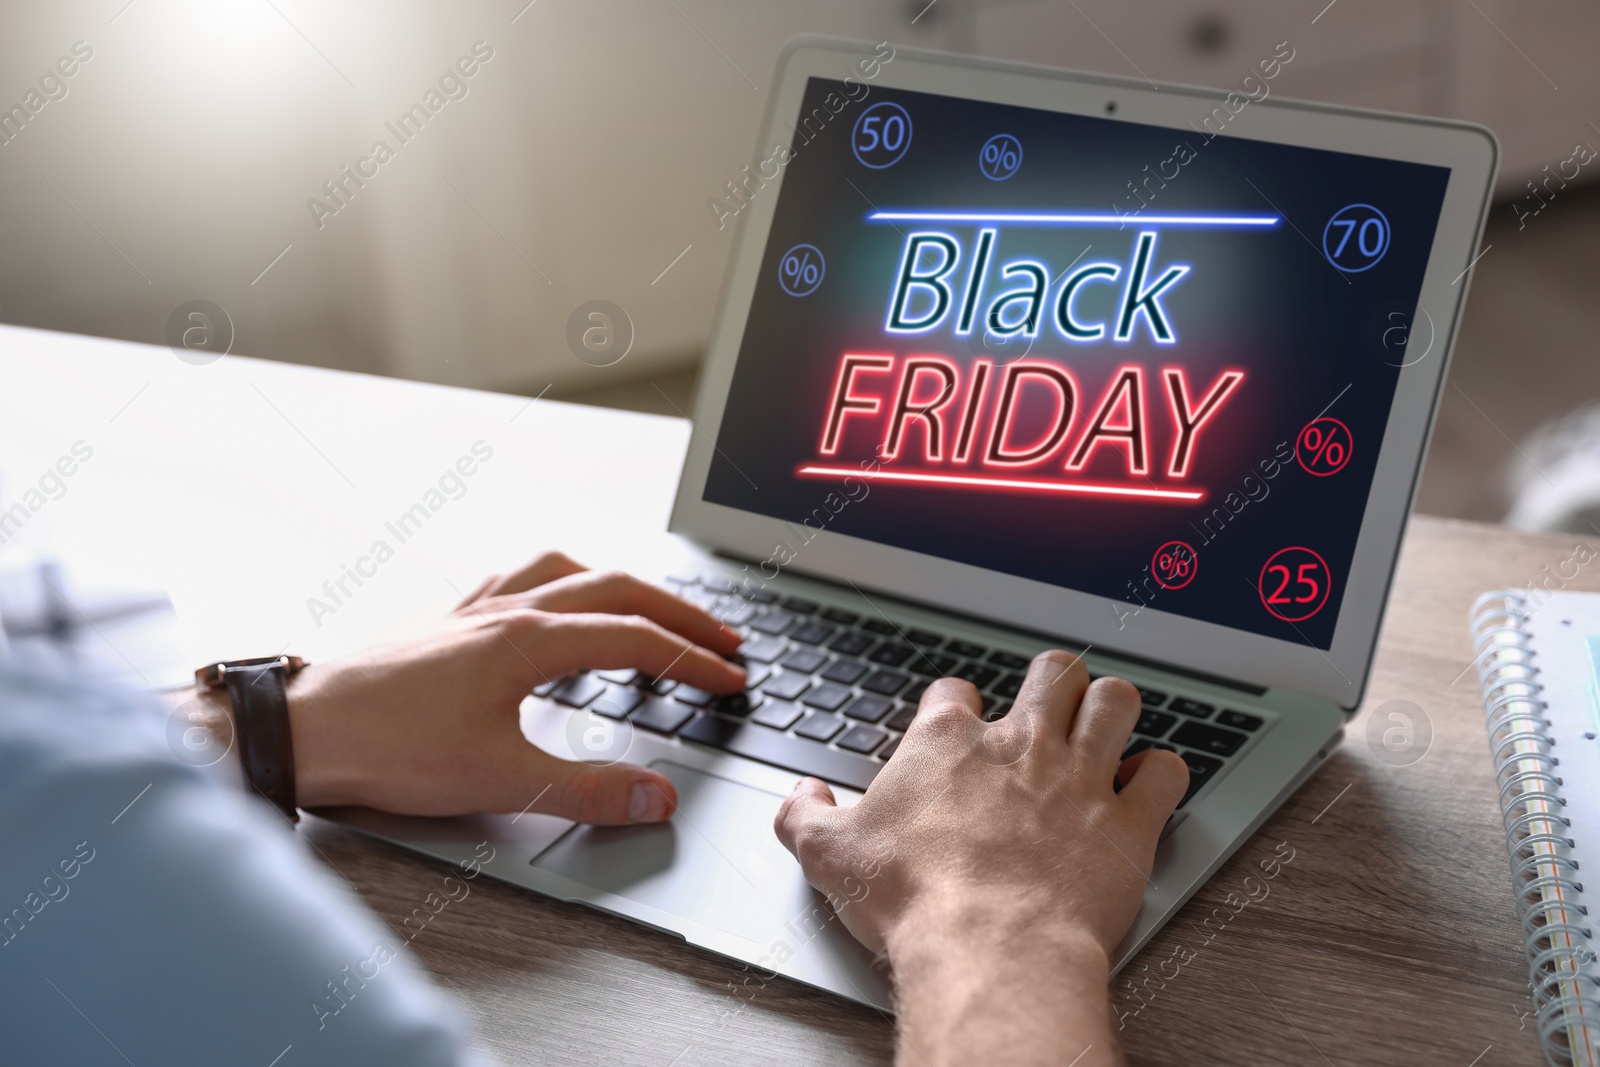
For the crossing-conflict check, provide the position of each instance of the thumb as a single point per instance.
(614, 795)
(802, 813)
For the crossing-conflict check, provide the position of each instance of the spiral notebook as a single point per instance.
(1538, 660)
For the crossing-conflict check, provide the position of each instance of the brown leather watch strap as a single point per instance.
(261, 722)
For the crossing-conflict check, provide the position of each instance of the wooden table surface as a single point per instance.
(1389, 938)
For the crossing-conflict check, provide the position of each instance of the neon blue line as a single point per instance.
(1131, 218)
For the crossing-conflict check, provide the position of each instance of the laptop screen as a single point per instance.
(1146, 363)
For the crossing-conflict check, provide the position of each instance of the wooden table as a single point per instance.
(1389, 939)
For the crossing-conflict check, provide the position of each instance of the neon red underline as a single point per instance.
(977, 481)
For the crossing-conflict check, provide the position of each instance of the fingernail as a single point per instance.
(647, 803)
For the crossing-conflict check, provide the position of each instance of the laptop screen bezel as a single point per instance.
(1339, 674)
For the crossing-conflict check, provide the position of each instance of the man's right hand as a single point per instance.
(995, 864)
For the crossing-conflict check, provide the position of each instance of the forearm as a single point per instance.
(992, 982)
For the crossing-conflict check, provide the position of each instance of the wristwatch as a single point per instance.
(258, 690)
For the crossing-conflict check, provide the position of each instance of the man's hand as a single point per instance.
(996, 866)
(431, 726)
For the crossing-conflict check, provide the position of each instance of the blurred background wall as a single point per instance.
(185, 155)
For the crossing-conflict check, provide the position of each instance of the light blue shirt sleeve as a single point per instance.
(151, 913)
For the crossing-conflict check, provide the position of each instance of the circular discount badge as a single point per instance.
(1294, 584)
(801, 269)
(1323, 447)
(881, 135)
(1000, 157)
(1356, 238)
(1174, 565)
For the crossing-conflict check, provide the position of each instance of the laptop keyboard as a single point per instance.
(831, 692)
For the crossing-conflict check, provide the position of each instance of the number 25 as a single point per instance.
(1301, 579)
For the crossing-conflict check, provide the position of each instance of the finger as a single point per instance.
(1153, 786)
(1105, 719)
(619, 593)
(478, 592)
(615, 795)
(802, 820)
(948, 702)
(559, 644)
(545, 567)
(1053, 690)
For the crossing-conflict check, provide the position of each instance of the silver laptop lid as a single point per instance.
(1148, 369)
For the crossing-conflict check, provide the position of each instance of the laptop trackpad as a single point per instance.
(716, 861)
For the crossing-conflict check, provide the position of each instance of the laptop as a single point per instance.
(1011, 358)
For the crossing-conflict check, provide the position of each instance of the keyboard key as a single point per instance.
(924, 637)
(1142, 743)
(841, 616)
(820, 727)
(544, 689)
(931, 664)
(1239, 719)
(1009, 660)
(754, 676)
(617, 702)
(804, 660)
(762, 649)
(1185, 706)
(880, 626)
(1208, 739)
(658, 713)
(868, 708)
(718, 583)
(1201, 771)
(783, 750)
(1154, 723)
(801, 606)
(957, 647)
(889, 749)
(1152, 697)
(885, 683)
(846, 672)
(660, 686)
(731, 612)
(851, 644)
(914, 694)
(773, 622)
(786, 686)
(828, 697)
(1009, 686)
(812, 633)
(1201, 767)
(625, 676)
(578, 690)
(862, 739)
(977, 674)
(901, 720)
(756, 596)
(891, 654)
(693, 696)
(780, 715)
(737, 704)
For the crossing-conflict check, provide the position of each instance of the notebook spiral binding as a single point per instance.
(1557, 931)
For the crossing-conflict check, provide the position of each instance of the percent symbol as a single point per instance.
(1324, 447)
(801, 269)
(1174, 565)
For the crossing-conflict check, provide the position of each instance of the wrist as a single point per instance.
(998, 977)
(322, 779)
(945, 927)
